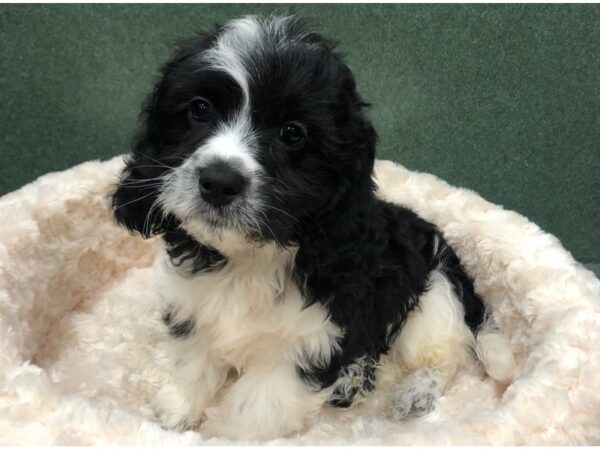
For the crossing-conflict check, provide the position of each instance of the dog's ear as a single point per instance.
(358, 134)
(135, 200)
(365, 138)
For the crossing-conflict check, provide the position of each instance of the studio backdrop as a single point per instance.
(501, 99)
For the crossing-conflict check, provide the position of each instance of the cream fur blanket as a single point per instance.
(80, 330)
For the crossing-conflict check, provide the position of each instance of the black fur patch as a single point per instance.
(178, 329)
(370, 274)
(190, 255)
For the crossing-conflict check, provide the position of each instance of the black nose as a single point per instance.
(220, 183)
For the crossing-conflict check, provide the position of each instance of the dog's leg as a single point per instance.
(431, 347)
(197, 378)
(268, 401)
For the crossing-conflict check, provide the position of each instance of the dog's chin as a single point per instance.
(217, 219)
(222, 228)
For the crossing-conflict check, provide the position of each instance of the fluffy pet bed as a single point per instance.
(81, 352)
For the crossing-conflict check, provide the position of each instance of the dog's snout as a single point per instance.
(220, 183)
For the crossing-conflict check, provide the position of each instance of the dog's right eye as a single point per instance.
(200, 109)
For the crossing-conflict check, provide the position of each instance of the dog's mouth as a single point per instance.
(218, 216)
(238, 216)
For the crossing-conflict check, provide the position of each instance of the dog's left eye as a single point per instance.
(200, 109)
(292, 133)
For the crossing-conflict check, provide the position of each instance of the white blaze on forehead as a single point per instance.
(234, 53)
(231, 52)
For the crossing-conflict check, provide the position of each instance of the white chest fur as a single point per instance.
(248, 310)
(250, 315)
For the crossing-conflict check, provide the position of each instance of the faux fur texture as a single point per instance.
(81, 339)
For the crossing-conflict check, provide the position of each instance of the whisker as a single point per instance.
(152, 166)
(266, 177)
(140, 186)
(264, 222)
(283, 212)
(146, 227)
(137, 183)
(154, 160)
(135, 200)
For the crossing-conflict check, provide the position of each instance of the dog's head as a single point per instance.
(255, 129)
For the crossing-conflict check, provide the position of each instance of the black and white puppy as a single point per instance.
(281, 265)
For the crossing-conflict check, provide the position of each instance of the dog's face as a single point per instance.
(256, 129)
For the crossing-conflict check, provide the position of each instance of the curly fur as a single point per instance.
(84, 350)
(332, 271)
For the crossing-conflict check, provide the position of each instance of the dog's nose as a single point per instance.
(220, 183)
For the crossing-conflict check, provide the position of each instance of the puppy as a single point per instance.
(287, 283)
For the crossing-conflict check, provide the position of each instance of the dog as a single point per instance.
(287, 283)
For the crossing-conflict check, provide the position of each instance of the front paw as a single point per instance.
(173, 410)
(226, 424)
(416, 396)
(216, 425)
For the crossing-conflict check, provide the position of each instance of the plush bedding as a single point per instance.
(81, 339)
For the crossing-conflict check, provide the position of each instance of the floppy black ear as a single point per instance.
(365, 138)
(135, 201)
(359, 135)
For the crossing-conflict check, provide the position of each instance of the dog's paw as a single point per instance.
(235, 425)
(417, 404)
(219, 428)
(173, 410)
(416, 396)
(225, 424)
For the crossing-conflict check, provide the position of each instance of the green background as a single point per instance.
(502, 99)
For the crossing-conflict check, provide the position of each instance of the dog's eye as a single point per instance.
(292, 133)
(200, 109)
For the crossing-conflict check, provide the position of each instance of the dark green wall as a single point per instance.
(502, 99)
